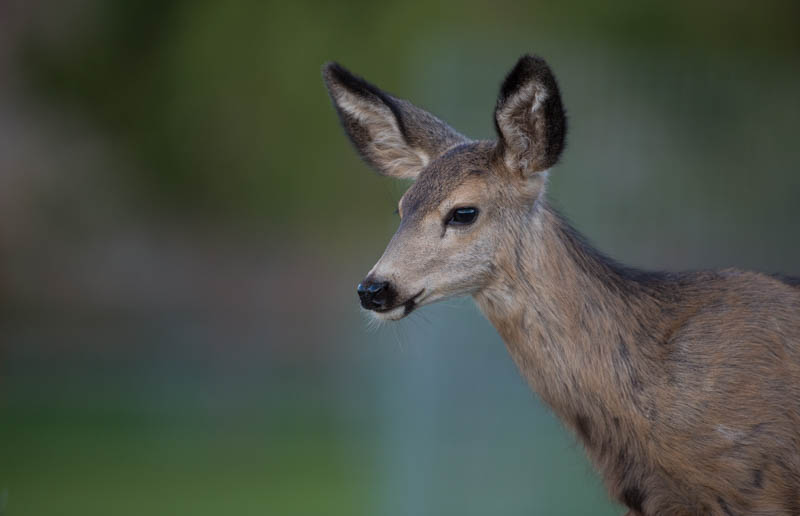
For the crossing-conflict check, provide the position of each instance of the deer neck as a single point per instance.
(579, 327)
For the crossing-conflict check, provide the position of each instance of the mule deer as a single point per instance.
(683, 388)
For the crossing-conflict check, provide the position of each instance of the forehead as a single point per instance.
(445, 174)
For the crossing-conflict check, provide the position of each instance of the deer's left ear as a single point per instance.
(529, 117)
(397, 138)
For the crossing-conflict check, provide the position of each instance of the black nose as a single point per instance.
(375, 295)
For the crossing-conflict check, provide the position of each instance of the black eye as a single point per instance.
(462, 216)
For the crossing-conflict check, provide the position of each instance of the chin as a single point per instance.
(395, 314)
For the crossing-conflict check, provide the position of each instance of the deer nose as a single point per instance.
(374, 295)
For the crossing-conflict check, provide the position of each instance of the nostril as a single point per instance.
(379, 294)
(360, 289)
(376, 288)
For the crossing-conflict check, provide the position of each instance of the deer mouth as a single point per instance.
(401, 309)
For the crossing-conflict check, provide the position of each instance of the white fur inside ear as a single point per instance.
(386, 146)
(538, 99)
(514, 120)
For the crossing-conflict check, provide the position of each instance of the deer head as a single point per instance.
(468, 197)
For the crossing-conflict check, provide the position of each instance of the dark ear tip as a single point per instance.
(334, 72)
(337, 76)
(529, 67)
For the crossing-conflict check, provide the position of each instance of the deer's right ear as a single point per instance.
(395, 137)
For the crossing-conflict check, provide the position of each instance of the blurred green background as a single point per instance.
(182, 224)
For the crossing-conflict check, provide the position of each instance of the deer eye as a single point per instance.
(462, 216)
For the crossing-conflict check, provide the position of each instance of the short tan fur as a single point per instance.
(683, 387)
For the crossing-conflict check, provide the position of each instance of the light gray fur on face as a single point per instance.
(426, 255)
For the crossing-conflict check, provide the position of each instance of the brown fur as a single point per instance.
(683, 388)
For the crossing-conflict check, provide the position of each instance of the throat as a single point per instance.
(578, 325)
